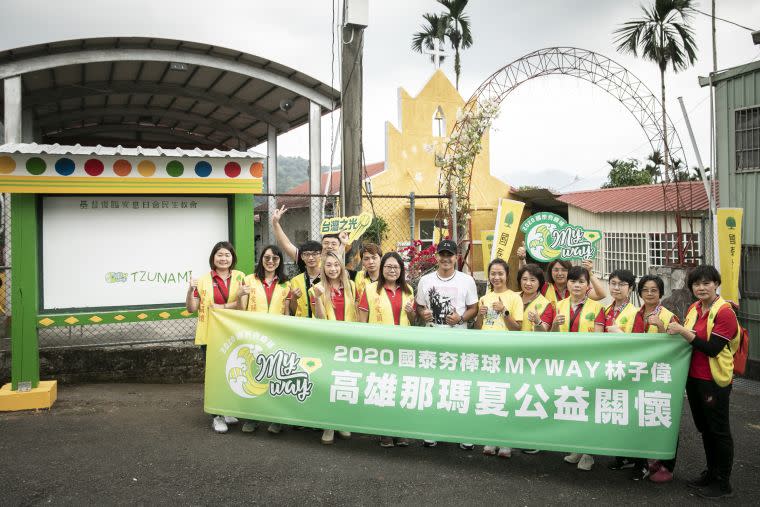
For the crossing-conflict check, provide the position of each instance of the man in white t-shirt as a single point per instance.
(447, 298)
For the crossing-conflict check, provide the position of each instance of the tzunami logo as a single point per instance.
(549, 236)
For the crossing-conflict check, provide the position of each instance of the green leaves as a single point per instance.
(731, 223)
(510, 218)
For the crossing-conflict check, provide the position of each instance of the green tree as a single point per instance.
(626, 173)
(654, 163)
(663, 36)
(457, 30)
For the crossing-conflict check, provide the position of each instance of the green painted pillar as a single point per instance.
(242, 232)
(25, 358)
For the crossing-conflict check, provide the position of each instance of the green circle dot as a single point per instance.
(36, 166)
(175, 168)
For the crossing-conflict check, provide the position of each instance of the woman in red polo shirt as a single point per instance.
(712, 329)
(619, 316)
(267, 290)
(220, 288)
(390, 301)
(333, 298)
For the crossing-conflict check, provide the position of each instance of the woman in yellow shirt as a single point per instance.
(499, 308)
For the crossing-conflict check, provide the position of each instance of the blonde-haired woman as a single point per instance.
(333, 298)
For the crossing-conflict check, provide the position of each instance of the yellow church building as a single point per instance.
(424, 124)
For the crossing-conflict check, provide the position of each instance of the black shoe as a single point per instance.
(621, 464)
(639, 474)
(717, 490)
(705, 479)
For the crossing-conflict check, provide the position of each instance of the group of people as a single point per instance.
(565, 298)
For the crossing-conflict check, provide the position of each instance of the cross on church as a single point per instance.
(436, 52)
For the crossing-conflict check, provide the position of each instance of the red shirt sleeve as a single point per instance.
(195, 294)
(363, 304)
(601, 318)
(725, 324)
(548, 315)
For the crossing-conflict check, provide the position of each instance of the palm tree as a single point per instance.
(457, 30)
(434, 29)
(663, 36)
(654, 164)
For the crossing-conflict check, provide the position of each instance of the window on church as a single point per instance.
(439, 123)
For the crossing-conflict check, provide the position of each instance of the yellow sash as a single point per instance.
(665, 316)
(299, 282)
(625, 319)
(551, 294)
(206, 295)
(538, 305)
(349, 304)
(257, 298)
(380, 310)
(722, 365)
(586, 319)
(361, 280)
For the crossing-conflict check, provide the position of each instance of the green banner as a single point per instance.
(614, 394)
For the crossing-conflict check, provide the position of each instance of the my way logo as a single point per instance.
(549, 236)
(256, 368)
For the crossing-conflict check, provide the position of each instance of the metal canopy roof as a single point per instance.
(152, 92)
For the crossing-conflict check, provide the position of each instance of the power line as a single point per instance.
(724, 20)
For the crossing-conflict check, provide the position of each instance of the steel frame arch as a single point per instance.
(587, 65)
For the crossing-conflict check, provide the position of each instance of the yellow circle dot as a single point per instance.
(7, 165)
(146, 168)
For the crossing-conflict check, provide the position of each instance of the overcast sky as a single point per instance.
(550, 129)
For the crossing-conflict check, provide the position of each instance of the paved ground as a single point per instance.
(151, 444)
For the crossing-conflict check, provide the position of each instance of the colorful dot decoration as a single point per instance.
(94, 167)
(203, 169)
(175, 168)
(122, 167)
(7, 165)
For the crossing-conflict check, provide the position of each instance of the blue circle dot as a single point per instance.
(64, 166)
(203, 169)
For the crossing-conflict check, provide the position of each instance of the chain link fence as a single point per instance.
(398, 220)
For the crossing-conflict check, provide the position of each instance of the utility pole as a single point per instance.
(352, 73)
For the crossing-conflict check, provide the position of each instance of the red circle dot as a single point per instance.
(93, 167)
(232, 169)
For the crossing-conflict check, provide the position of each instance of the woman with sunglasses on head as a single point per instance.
(390, 301)
(220, 288)
(333, 298)
(267, 290)
(712, 329)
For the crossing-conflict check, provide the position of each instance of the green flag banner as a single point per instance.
(615, 394)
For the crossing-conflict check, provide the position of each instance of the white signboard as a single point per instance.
(122, 251)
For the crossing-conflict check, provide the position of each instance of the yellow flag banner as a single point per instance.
(507, 222)
(486, 245)
(355, 226)
(730, 248)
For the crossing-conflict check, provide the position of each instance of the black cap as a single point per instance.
(447, 245)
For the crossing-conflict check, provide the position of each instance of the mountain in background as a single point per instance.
(291, 172)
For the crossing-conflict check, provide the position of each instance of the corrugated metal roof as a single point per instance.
(105, 151)
(642, 199)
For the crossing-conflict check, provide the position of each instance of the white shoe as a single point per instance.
(345, 435)
(218, 424)
(248, 427)
(274, 428)
(573, 458)
(467, 447)
(586, 463)
(489, 450)
(429, 443)
(505, 452)
(328, 437)
(230, 420)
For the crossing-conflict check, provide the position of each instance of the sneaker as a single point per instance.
(328, 437)
(345, 435)
(505, 452)
(489, 450)
(530, 451)
(218, 424)
(386, 441)
(275, 428)
(402, 442)
(717, 490)
(429, 443)
(586, 463)
(573, 458)
(705, 479)
(621, 464)
(662, 475)
(248, 427)
(467, 447)
(639, 474)
(230, 420)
